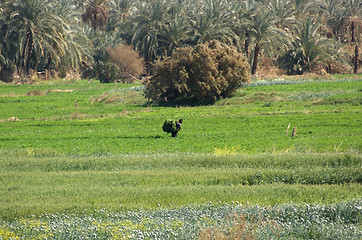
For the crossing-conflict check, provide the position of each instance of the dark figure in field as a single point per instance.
(172, 127)
(178, 128)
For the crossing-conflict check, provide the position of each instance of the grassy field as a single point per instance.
(81, 147)
(89, 119)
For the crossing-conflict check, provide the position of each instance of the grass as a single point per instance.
(40, 185)
(318, 132)
(80, 147)
(326, 114)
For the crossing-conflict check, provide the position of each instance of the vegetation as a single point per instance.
(269, 159)
(128, 61)
(92, 146)
(235, 220)
(169, 126)
(311, 50)
(300, 36)
(202, 74)
(117, 115)
(96, 13)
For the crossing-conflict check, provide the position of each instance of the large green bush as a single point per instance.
(203, 74)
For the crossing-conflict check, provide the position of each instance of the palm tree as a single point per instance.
(176, 33)
(356, 59)
(283, 11)
(302, 8)
(330, 17)
(205, 28)
(79, 47)
(330, 6)
(96, 13)
(145, 29)
(265, 35)
(214, 21)
(122, 8)
(351, 21)
(7, 46)
(35, 32)
(310, 49)
(243, 13)
(67, 10)
(352, 17)
(119, 13)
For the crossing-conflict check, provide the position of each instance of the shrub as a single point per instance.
(202, 74)
(128, 60)
(107, 72)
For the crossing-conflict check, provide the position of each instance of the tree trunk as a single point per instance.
(353, 31)
(356, 60)
(246, 46)
(47, 66)
(28, 51)
(255, 61)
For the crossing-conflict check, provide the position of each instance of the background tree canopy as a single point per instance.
(72, 37)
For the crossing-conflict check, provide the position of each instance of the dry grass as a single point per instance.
(268, 70)
(118, 96)
(11, 119)
(238, 231)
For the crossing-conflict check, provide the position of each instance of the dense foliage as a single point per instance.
(202, 74)
(63, 37)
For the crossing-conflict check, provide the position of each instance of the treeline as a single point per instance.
(120, 39)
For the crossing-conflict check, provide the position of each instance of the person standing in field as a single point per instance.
(178, 128)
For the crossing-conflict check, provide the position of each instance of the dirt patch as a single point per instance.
(13, 119)
(37, 93)
(59, 90)
(11, 95)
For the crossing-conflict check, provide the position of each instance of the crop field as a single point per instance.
(90, 160)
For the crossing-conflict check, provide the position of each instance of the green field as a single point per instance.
(84, 147)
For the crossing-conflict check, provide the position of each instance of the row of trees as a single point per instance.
(295, 35)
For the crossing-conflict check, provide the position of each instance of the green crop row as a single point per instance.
(336, 221)
(168, 162)
(38, 185)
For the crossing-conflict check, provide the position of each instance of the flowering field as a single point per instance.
(87, 160)
(337, 221)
